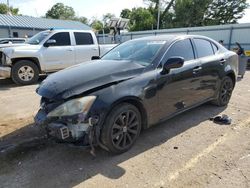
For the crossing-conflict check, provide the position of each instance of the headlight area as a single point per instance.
(2, 58)
(68, 122)
(5, 57)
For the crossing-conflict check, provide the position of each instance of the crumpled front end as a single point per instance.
(68, 121)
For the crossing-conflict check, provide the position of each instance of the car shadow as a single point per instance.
(47, 164)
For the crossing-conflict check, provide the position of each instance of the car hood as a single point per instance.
(87, 76)
(20, 48)
(12, 45)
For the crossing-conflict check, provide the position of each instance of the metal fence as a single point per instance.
(228, 33)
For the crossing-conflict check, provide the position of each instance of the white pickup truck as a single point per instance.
(49, 51)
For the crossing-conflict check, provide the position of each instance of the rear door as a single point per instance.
(211, 63)
(85, 48)
(60, 55)
(178, 89)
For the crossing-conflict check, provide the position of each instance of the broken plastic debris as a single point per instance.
(223, 120)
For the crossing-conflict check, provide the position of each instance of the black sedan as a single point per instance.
(142, 82)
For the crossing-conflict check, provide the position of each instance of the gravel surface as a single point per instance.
(185, 151)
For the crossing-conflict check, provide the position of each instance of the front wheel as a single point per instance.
(122, 128)
(25, 72)
(225, 92)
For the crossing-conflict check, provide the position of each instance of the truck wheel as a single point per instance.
(225, 92)
(25, 72)
(121, 128)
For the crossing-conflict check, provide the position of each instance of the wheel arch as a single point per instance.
(32, 59)
(232, 75)
(137, 103)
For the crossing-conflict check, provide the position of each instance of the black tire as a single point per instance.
(225, 92)
(119, 133)
(25, 72)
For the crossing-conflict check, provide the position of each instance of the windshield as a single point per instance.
(141, 51)
(36, 39)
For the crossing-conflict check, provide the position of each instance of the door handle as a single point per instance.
(222, 61)
(197, 69)
(70, 50)
(95, 48)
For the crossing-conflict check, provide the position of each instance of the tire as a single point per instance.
(25, 72)
(119, 133)
(225, 92)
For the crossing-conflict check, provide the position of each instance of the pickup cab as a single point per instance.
(47, 52)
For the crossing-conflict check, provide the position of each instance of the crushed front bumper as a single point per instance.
(5, 72)
(63, 130)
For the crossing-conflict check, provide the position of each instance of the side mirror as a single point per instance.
(172, 63)
(95, 57)
(50, 42)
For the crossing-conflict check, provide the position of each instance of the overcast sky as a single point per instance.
(87, 8)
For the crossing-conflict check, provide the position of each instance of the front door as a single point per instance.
(177, 89)
(60, 55)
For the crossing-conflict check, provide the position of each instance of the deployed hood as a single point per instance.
(87, 76)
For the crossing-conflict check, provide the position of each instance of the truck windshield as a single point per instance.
(36, 39)
(141, 51)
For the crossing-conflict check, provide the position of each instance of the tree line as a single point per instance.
(173, 14)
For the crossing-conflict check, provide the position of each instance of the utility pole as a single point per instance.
(8, 6)
(159, 14)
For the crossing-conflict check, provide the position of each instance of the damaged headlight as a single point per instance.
(73, 107)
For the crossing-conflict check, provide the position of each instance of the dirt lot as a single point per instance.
(186, 151)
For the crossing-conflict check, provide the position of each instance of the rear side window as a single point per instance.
(62, 39)
(204, 48)
(83, 38)
(183, 49)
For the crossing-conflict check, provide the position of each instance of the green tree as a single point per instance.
(141, 19)
(97, 25)
(82, 19)
(225, 11)
(126, 13)
(61, 11)
(190, 13)
(165, 7)
(5, 10)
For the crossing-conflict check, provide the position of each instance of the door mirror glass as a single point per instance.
(172, 63)
(50, 42)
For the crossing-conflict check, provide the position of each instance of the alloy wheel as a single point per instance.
(125, 129)
(26, 73)
(226, 91)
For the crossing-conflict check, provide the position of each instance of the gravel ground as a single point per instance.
(186, 151)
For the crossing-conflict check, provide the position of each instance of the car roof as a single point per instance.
(172, 37)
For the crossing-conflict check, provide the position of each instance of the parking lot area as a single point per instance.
(185, 151)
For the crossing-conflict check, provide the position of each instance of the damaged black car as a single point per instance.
(109, 101)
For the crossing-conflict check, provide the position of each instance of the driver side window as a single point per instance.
(62, 39)
(181, 48)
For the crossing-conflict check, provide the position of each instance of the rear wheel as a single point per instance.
(122, 128)
(25, 72)
(225, 92)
